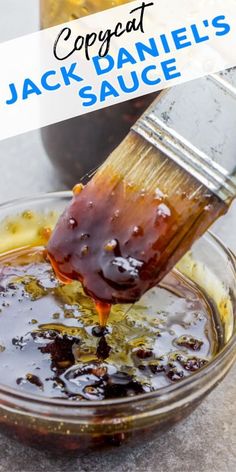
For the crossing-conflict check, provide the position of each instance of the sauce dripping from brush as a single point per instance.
(103, 309)
(119, 240)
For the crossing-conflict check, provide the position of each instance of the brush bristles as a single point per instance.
(140, 164)
(131, 223)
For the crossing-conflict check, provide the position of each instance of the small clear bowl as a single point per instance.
(63, 426)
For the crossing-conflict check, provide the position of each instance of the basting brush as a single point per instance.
(146, 205)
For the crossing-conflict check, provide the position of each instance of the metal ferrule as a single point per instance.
(194, 124)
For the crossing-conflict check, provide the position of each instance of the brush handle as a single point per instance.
(194, 124)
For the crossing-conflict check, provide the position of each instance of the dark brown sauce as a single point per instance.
(120, 241)
(52, 345)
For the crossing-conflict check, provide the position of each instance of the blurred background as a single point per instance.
(24, 166)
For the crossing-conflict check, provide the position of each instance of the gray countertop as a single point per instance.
(206, 441)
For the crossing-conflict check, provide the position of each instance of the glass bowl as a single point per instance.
(63, 426)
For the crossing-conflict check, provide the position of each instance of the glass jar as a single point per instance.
(78, 145)
(66, 426)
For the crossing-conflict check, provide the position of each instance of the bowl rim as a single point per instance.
(162, 394)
